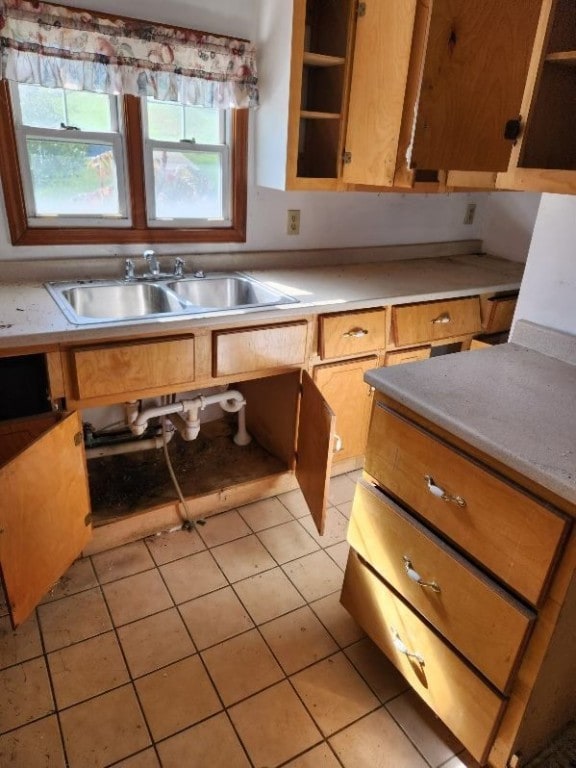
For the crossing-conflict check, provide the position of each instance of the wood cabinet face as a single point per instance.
(435, 320)
(261, 348)
(352, 333)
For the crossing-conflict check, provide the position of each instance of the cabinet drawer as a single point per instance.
(352, 333)
(468, 706)
(484, 623)
(497, 313)
(512, 534)
(435, 320)
(401, 356)
(115, 369)
(255, 349)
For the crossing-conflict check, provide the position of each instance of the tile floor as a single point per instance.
(222, 648)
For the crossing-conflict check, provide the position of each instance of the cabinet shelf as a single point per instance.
(566, 58)
(322, 60)
(306, 114)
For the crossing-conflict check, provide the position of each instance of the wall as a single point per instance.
(507, 223)
(548, 292)
(327, 219)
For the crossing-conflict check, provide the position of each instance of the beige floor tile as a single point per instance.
(79, 577)
(241, 666)
(212, 743)
(192, 576)
(274, 726)
(334, 530)
(87, 669)
(339, 553)
(122, 561)
(288, 542)
(268, 595)
(355, 475)
(375, 742)
(334, 693)
(319, 757)
(265, 513)
(243, 558)
(165, 547)
(295, 503)
(104, 730)
(298, 639)
(25, 694)
(463, 760)
(21, 644)
(382, 677)
(137, 596)
(346, 508)
(315, 575)
(155, 642)
(337, 620)
(341, 490)
(429, 734)
(37, 745)
(177, 697)
(146, 759)
(222, 528)
(73, 618)
(215, 617)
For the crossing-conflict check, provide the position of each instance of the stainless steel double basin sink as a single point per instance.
(100, 301)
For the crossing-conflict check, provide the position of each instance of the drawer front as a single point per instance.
(468, 706)
(498, 313)
(435, 320)
(254, 349)
(401, 356)
(352, 333)
(512, 534)
(112, 369)
(488, 626)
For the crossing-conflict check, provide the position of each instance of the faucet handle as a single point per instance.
(129, 269)
(179, 267)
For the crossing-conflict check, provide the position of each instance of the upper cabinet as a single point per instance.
(417, 94)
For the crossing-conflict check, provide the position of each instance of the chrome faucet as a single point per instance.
(179, 267)
(129, 269)
(152, 260)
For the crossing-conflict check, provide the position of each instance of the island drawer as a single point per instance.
(459, 696)
(514, 535)
(478, 617)
(247, 350)
(435, 320)
(352, 333)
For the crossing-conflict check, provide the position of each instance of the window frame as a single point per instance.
(139, 231)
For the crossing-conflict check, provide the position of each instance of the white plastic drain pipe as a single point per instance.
(185, 414)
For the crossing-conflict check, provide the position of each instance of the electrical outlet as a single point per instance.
(470, 212)
(293, 224)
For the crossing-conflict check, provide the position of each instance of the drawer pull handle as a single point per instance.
(442, 319)
(415, 576)
(440, 493)
(401, 647)
(355, 333)
(337, 444)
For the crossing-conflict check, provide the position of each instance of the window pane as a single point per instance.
(165, 121)
(73, 178)
(89, 111)
(187, 185)
(203, 125)
(41, 107)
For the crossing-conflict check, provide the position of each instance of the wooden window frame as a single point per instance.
(22, 233)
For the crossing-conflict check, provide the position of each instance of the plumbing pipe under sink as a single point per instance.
(128, 447)
(185, 414)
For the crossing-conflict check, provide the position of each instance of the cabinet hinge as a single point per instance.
(361, 11)
(78, 438)
(88, 519)
(347, 158)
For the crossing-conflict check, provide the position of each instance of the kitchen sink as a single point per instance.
(100, 301)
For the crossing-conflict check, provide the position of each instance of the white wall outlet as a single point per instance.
(470, 212)
(293, 223)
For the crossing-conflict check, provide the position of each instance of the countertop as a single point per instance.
(29, 316)
(512, 402)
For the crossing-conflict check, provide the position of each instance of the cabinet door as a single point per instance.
(314, 446)
(379, 76)
(343, 386)
(475, 69)
(44, 507)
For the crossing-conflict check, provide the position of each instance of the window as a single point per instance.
(85, 167)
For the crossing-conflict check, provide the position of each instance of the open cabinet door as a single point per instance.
(314, 449)
(44, 506)
(475, 69)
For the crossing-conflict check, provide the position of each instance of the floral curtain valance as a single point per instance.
(62, 47)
